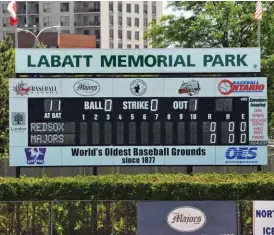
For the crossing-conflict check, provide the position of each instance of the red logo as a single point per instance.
(226, 87)
(21, 89)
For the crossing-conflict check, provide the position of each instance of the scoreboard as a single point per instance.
(138, 121)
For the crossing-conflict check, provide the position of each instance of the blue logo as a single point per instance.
(241, 155)
(35, 155)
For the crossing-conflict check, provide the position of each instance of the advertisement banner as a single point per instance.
(186, 217)
(86, 61)
(263, 217)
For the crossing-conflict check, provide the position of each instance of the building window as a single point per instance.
(65, 31)
(136, 8)
(128, 46)
(136, 22)
(120, 45)
(128, 21)
(129, 8)
(145, 22)
(47, 7)
(120, 6)
(111, 20)
(6, 22)
(153, 9)
(47, 21)
(154, 21)
(120, 34)
(97, 20)
(111, 33)
(137, 35)
(145, 46)
(5, 34)
(136, 46)
(145, 7)
(120, 21)
(64, 6)
(36, 20)
(4, 8)
(111, 45)
(98, 44)
(110, 5)
(64, 20)
(129, 35)
(97, 33)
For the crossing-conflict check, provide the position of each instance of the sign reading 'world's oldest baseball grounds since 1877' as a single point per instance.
(139, 121)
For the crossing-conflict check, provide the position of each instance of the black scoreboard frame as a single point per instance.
(189, 169)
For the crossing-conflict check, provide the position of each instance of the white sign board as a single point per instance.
(127, 61)
(263, 217)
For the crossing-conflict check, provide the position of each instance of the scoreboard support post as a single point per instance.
(189, 170)
(18, 172)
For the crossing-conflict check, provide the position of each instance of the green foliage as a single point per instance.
(267, 68)
(7, 57)
(214, 24)
(141, 187)
(108, 203)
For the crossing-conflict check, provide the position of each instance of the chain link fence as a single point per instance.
(85, 218)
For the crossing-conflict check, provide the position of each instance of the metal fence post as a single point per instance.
(51, 217)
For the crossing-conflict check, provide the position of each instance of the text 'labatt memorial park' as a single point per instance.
(161, 107)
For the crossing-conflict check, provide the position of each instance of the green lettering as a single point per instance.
(154, 61)
(188, 61)
(43, 61)
(139, 62)
(67, 61)
(88, 60)
(108, 63)
(122, 61)
(207, 59)
(217, 60)
(162, 61)
(229, 59)
(179, 60)
(77, 60)
(29, 62)
(55, 61)
(240, 60)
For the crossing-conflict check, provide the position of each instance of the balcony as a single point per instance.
(83, 10)
(86, 23)
(31, 11)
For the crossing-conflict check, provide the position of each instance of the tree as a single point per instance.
(7, 58)
(214, 24)
(219, 24)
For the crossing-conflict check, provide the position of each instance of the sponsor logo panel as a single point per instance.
(18, 122)
(138, 87)
(35, 155)
(240, 86)
(241, 155)
(185, 87)
(34, 87)
(258, 127)
(86, 87)
(132, 87)
(186, 217)
(190, 88)
(263, 217)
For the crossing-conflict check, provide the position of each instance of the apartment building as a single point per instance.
(116, 24)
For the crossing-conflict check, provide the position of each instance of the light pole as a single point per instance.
(37, 36)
